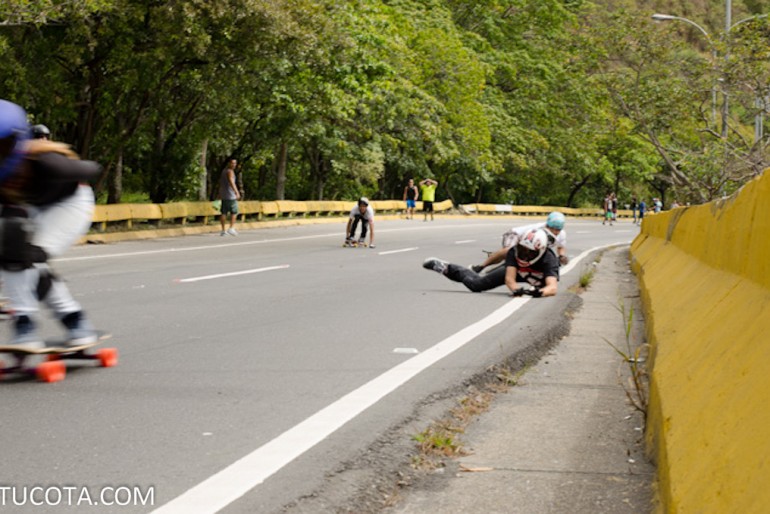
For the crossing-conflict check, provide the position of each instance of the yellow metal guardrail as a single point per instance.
(130, 216)
(535, 210)
(134, 215)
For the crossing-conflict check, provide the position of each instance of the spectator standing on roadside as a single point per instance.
(229, 194)
(411, 194)
(642, 208)
(633, 207)
(607, 208)
(428, 194)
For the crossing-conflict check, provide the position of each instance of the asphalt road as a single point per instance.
(253, 366)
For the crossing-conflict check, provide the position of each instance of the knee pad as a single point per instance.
(15, 237)
(17, 253)
(44, 283)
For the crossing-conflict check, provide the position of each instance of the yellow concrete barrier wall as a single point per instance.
(705, 280)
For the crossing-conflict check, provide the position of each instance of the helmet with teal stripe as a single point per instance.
(555, 220)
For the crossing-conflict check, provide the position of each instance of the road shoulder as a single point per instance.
(566, 438)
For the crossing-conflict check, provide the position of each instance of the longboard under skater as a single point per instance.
(47, 363)
(350, 243)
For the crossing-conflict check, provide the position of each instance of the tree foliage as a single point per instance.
(525, 101)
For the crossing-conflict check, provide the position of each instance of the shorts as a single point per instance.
(608, 215)
(410, 204)
(427, 206)
(229, 207)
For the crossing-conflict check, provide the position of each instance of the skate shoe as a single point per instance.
(232, 231)
(79, 329)
(436, 265)
(26, 335)
(478, 268)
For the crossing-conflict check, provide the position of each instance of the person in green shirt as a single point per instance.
(428, 194)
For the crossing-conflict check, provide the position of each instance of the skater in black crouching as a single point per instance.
(362, 213)
(47, 205)
(530, 268)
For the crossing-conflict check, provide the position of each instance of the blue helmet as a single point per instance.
(14, 127)
(555, 220)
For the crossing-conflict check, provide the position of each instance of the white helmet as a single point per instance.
(531, 247)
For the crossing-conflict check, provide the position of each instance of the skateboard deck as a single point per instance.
(47, 363)
(354, 244)
(53, 346)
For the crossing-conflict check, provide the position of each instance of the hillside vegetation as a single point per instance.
(550, 102)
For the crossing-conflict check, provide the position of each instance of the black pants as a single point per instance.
(364, 226)
(474, 281)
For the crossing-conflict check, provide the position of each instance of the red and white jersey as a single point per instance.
(511, 237)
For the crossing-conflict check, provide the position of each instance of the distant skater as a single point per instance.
(362, 214)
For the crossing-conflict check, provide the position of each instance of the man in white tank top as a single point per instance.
(229, 195)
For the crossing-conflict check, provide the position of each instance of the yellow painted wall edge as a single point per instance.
(705, 282)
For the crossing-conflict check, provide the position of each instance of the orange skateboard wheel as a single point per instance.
(51, 371)
(108, 357)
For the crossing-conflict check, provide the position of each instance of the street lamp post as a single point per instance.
(669, 17)
(728, 27)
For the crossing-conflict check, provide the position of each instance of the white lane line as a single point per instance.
(402, 250)
(233, 274)
(193, 248)
(234, 481)
(229, 484)
(215, 246)
(466, 241)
